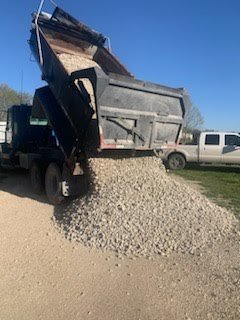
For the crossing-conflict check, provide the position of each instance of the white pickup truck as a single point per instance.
(212, 148)
(2, 130)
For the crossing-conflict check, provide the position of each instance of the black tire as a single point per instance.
(176, 161)
(53, 184)
(36, 177)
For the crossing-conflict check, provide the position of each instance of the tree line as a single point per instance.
(9, 97)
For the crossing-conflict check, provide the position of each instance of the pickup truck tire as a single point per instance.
(53, 184)
(36, 177)
(176, 161)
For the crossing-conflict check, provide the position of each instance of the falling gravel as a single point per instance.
(74, 62)
(135, 209)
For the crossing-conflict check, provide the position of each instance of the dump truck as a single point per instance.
(91, 104)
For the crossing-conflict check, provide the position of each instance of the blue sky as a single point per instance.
(187, 43)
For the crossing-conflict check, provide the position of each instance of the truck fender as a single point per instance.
(178, 152)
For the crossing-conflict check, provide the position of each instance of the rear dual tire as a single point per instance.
(53, 184)
(52, 180)
(36, 177)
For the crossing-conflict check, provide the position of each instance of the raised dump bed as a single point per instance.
(94, 90)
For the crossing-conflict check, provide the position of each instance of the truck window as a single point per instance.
(232, 140)
(212, 139)
(38, 122)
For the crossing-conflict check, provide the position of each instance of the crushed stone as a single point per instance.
(76, 62)
(134, 208)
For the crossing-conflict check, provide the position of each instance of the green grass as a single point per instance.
(222, 184)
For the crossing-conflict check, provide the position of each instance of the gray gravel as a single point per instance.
(73, 62)
(78, 62)
(134, 208)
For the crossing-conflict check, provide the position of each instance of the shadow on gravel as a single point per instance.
(62, 216)
(17, 182)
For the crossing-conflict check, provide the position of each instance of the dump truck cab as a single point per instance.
(31, 143)
(22, 134)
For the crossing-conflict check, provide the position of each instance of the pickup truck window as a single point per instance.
(212, 139)
(232, 140)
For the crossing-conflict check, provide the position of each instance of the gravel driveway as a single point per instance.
(45, 276)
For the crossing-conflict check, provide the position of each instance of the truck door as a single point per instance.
(210, 149)
(231, 149)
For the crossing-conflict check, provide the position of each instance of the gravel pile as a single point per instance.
(134, 208)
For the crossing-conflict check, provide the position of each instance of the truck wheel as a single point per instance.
(36, 177)
(53, 184)
(176, 161)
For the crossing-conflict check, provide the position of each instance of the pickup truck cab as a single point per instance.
(212, 148)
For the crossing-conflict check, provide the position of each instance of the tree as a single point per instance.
(9, 96)
(193, 120)
(192, 124)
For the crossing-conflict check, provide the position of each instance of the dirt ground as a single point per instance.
(44, 276)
